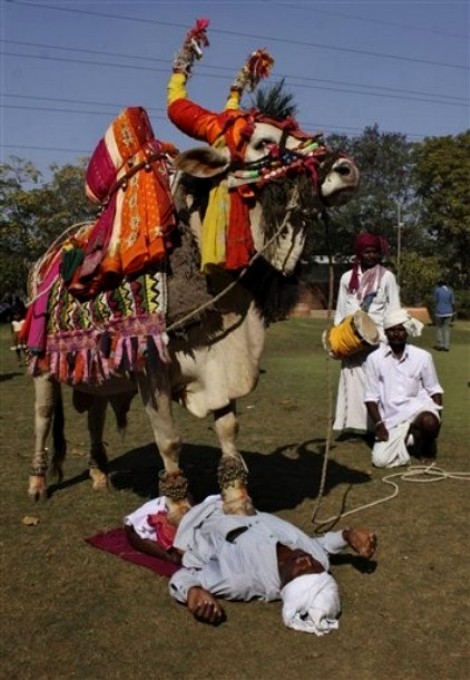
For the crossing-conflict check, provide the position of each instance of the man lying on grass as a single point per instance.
(246, 557)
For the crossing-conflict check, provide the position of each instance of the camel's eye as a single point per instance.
(264, 143)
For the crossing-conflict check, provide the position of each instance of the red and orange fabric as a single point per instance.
(128, 176)
(233, 127)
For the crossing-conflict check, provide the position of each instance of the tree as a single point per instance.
(35, 212)
(418, 277)
(17, 178)
(385, 162)
(442, 179)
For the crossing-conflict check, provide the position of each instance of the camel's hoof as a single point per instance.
(100, 481)
(37, 490)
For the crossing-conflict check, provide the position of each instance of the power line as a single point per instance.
(299, 43)
(85, 102)
(370, 20)
(214, 76)
(50, 109)
(150, 109)
(316, 126)
(220, 68)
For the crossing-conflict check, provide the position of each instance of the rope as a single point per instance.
(329, 390)
(423, 474)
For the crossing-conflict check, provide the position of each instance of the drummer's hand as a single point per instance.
(381, 433)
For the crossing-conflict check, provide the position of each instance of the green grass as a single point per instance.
(70, 611)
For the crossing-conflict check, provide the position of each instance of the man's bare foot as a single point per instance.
(427, 460)
(362, 541)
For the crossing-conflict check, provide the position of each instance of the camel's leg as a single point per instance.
(232, 472)
(155, 392)
(46, 391)
(98, 460)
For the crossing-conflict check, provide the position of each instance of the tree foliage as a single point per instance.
(424, 186)
(34, 213)
(442, 180)
(385, 194)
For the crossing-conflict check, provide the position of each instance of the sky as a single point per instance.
(69, 67)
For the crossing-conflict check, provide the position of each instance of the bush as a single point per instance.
(462, 304)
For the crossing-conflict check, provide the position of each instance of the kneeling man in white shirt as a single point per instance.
(403, 395)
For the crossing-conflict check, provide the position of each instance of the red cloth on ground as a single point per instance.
(115, 542)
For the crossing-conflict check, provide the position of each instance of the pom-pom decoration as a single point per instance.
(196, 38)
(258, 66)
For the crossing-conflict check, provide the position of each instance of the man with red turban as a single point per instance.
(373, 288)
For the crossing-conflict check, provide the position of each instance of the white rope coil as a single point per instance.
(416, 474)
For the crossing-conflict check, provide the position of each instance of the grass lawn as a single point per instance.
(70, 611)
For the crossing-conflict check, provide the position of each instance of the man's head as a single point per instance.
(398, 325)
(369, 249)
(396, 335)
(294, 563)
(311, 603)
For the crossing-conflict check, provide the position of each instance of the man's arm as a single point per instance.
(185, 587)
(362, 541)
(381, 432)
(372, 400)
(340, 311)
(149, 547)
(430, 380)
(437, 399)
(393, 292)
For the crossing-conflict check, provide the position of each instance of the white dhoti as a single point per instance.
(351, 411)
(394, 451)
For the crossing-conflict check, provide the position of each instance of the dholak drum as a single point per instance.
(356, 332)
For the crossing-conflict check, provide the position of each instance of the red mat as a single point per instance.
(116, 543)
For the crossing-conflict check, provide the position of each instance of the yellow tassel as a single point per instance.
(214, 228)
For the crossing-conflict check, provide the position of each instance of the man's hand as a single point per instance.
(203, 606)
(363, 541)
(381, 433)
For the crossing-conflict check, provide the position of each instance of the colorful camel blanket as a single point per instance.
(99, 299)
(89, 342)
(128, 175)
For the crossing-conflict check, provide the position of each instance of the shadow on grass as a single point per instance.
(9, 376)
(357, 562)
(279, 480)
(276, 481)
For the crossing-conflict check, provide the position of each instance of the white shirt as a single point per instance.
(387, 298)
(401, 387)
(246, 567)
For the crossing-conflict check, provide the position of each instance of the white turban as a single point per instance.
(399, 317)
(311, 603)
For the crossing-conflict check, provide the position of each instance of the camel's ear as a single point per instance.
(202, 162)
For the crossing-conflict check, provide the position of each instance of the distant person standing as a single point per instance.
(18, 345)
(443, 312)
(373, 288)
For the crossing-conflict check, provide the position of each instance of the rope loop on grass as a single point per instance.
(415, 473)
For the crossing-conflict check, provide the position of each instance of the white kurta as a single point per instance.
(402, 388)
(234, 556)
(351, 413)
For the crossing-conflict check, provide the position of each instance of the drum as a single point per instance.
(355, 333)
